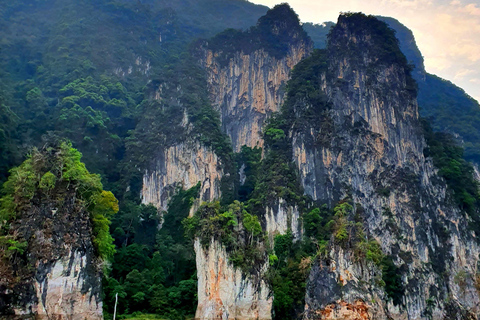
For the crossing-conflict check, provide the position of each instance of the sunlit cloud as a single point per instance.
(447, 31)
(464, 73)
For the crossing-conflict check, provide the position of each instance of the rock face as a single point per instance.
(226, 292)
(476, 173)
(251, 85)
(283, 217)
(246, 89)
(249, 89)
(374, 154)
(184, 164)
(59, 293)
(62, 277)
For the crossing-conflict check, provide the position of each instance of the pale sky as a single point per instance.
(446, 31)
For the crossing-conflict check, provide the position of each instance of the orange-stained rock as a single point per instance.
(225, 292)
(248, 89)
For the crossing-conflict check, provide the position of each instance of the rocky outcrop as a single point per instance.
(61, 291)
(248, 90)
(60, 276)
(374, 154)
(225, 292)
(282, 217)
(342, 287)
(182, 165)
(250, 86)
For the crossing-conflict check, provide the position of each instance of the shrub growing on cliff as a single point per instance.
(51, 172)
(447, 156)
(239, 231)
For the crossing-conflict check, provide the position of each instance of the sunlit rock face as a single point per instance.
(282, 217)
(63, 293)
(374, 154)
(250, 85)
(248, 90)
(182, 165)
(225, 292)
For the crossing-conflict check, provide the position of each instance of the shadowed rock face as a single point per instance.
(61, 278)
(376, 142)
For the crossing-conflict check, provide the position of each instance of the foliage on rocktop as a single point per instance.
(239, 231)
(378, 37)
(275, 32)
(49, 173)
(368, 40)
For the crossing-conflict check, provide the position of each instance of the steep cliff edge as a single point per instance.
(182, 165)
(391, 243)
(247, 72)
(246, 75)
(367, 145)
(225, 292)
(181, 141)
(54, 236)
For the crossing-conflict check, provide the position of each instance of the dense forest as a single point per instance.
(74, 83)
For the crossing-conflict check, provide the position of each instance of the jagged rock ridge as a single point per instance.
(376, 143)
(56, 272)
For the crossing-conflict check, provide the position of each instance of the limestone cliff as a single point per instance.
(63, 288)
(476, 173)
(355, 133)
(373, 153)
(60, 278)
(247, 83)
(182, 165)
(282, 217)
(226, 292)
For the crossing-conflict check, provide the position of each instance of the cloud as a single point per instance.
(471, 9)
(463, 73)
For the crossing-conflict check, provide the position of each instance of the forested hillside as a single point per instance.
(231, 144)
(87, 63)
(86, 71)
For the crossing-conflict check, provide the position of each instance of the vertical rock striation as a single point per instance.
(248, 84)
(62, 278)
(182, 165)
(63, 292)
(225, 292)
(282, 217)
(374, 154)
(249, 89)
